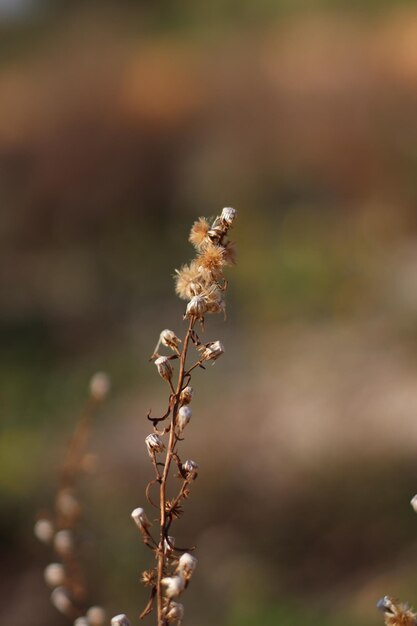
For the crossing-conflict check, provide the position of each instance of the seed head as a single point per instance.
(44, 530)
(54, 575)
(139, 517)
(120, 620)
(414, 503)
(187, 565)
(196, 307)
(64, 542)
(228, 215)
(198, 234)
(211, 351)
(100, 386)
(396, 614)
(190, 468)
(169, 339)
(174, 612)
(154, 444)
(164, 367)
(61, 600)
(186, 395)
(188, 281)
(174, 585)
(183, 417)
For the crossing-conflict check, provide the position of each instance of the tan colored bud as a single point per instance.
(190, 468)
(139, 517)
(414, 503)
(44, 530)
(174, 585)
(61, 600)
(186, 395)
(120, 620)
(211, 351)
(183, 417)
(196, 307)
(154, 444)
(174, 612)
(169, 339)
(228, 215)
(164, 367)
(54, 575)
(100, 386)
(96, 616)
(64, 542)
(187, 565)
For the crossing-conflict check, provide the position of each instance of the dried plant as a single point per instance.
(202, 284)
(397, 614)
(60, 528)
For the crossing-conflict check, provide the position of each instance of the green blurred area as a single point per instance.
(120, 124)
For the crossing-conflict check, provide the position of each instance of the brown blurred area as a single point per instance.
(121, 123)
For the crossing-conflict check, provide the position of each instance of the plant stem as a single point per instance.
(162, 489)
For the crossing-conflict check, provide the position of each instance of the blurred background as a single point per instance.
(120, 124)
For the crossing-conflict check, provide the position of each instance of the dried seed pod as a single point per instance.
(228, 215)
(174, 612)
(211, 351)
(187, 565)
(164, 367)
(61, 600)
(120, 620)
(190, 468)
(140, 519)
(100, 386)
(54, 575)
(174, 585)
(154, 444)
(169, 339)
(96, 616)
(196, 307)
(44, 530)
(413, 503)
(186, 395)
(64, 542)
(183, 417)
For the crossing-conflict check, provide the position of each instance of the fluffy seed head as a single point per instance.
(396, 614)
(169, 339)
(139, 517)
(190, 468)
(44, 530)
(186, 395)
(54, 575)
(196, 307)
(174, 585)
(187, 565)
(100, 386)
(61, 600)
(64, 542)
(211, 351)
(211, 259)
(188, 281)
(414, 503)
(174, 612)
(164, 367)
(198, 234)
(154, 444)
(120, 620)
(96, 616)
(183, 417)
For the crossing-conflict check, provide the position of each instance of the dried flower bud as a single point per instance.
(414, 503)
(67, 503)
(186, 395)
(81, 621)
(174, 612)
(196, 307)
(44, 530)
(183, 417)
(100, 386)
(228, 215)
(140, 519)
(190, 468)
(54, 575)
(164, 367)
(96, 616)
(187, 565)
(64, 542)
(169, 339)
(168, 549)
(211, 351)
(154, 444)
(120, 620)
(174, 585)
(61, 600)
